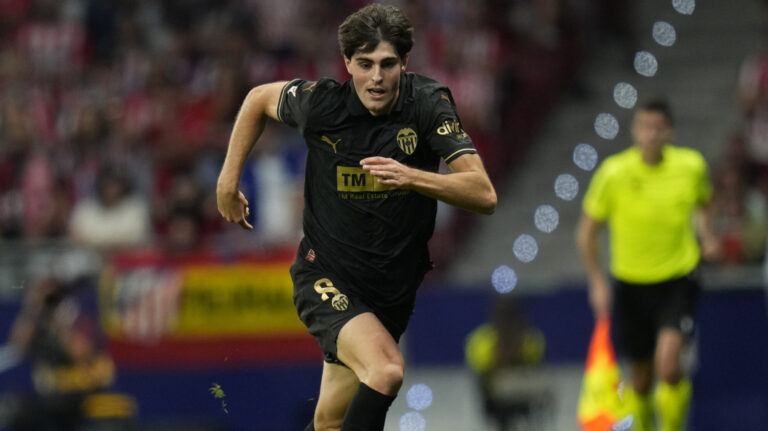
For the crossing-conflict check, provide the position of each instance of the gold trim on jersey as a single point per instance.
(456, 153)
(354, 179)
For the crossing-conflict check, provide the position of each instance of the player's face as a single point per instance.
(650, 131)
(376, 76)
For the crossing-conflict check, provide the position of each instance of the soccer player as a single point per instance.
(371, 189)
(654, 197)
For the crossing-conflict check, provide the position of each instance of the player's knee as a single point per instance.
(387, 377)
(667, 367)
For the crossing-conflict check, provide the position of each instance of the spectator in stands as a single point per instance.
(114, 217)
(153, 85)
(753, 100)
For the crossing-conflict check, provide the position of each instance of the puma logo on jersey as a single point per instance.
(311, 87)
(328, 141)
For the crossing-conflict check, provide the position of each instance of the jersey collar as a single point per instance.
(356, 107)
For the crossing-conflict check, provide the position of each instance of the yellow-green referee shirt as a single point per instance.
(649, 211)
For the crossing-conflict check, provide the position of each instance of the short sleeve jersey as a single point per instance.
(371, 235)
(649, 211)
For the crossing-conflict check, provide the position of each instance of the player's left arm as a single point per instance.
(467, 186)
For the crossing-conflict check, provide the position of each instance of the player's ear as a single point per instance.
(348, 63)
(404, 63)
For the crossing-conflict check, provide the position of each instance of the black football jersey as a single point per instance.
(371, 235)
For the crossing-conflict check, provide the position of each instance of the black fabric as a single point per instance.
(324, 321)
(367, 410)
(310, 426)
(642, 310)
(373, 236)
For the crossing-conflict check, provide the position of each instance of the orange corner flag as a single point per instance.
(600, 406)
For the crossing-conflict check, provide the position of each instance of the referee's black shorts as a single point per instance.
(325, 304)
(642, 310)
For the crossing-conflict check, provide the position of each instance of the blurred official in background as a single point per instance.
(649, 195)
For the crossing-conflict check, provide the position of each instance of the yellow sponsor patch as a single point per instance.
(353, 179)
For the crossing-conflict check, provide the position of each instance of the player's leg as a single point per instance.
(673, 392)
(637, 336)
(669, 346)
(365, 345)
(638, 395)
(337, 387)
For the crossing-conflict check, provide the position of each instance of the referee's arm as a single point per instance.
(467, 186)
(260, 104)
(710, 244)
(586, 241)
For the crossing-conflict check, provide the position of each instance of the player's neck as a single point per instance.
(652, 157)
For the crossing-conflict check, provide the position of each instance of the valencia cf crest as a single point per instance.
(407, 140)
(339, 301)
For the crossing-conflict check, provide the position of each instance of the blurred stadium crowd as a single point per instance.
(115, 116)
(741, 176)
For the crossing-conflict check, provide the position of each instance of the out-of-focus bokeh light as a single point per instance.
(525, 248)
(624, 424)
(606, 126)
(419, 396)
(585, 157)
(546, 218)
(664, 34)
(625, 95)
(646, 64)
(412, 421)
(566, 187)
(685, 7)
(504, 279)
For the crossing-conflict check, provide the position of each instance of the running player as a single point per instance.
(649, 194)
(371, 190)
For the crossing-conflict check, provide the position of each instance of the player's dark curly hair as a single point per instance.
(363, 30)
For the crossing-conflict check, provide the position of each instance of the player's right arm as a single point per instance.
(260, 103)
(586, 241)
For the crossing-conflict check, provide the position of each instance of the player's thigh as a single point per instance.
(337, 387)
(634, 325)
(365, 345)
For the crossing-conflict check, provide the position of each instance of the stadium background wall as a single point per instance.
(731, 381)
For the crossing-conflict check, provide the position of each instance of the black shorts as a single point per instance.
(325, 304)
(642, 310)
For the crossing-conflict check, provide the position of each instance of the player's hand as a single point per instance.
(233, 207)
(600, 297)
(388, 171)
(710, 248)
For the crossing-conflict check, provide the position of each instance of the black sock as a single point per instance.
(311, 426)
(367, 410)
